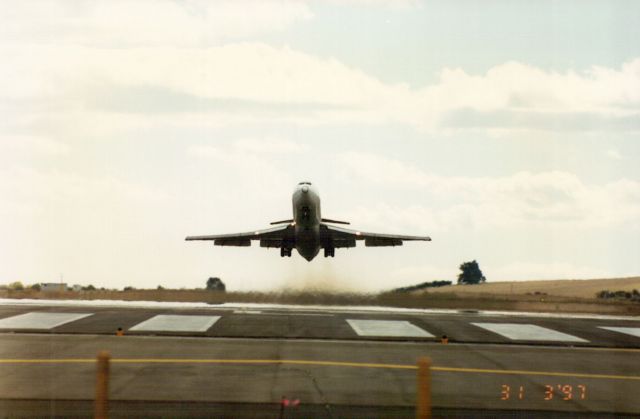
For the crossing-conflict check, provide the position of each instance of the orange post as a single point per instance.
(102, 385)
(423, 408)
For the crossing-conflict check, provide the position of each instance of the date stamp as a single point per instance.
(548, 392)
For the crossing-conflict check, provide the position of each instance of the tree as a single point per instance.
(471, 273)
(16, 286)
(215, 284)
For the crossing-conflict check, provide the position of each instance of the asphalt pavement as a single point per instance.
(244, 361)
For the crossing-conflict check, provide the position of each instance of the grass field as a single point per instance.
(578, 288)
(570, 296)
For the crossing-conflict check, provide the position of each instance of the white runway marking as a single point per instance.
(294, 308)
(393, 328)
(176, 323)
(517, 331)
(40, 320)
(633, 331)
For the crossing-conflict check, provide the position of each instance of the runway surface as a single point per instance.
(240, 361)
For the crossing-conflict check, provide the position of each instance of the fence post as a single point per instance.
(423, 408)
(102, 385)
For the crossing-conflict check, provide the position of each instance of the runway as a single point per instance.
(240, 361)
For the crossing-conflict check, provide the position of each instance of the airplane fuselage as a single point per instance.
(307, 218)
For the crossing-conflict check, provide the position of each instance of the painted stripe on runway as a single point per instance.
(176, 323)
(633, 331)
(518, 331)
(318, 363)
(391, 328)
(40, 320)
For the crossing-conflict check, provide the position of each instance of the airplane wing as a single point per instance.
(343, 237)
(270, 237)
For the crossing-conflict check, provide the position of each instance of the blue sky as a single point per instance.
(508, 131)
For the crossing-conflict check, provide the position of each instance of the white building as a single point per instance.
(53, 286)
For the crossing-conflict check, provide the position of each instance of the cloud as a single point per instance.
(254, 172)
(247, 82)
(614, 154)
(121, 23)
(269, 145)
(552, 199)
(33, 144)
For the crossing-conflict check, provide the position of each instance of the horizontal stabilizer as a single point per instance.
(327, 220)
(282, 222)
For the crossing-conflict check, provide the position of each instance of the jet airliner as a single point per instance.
(307, 231)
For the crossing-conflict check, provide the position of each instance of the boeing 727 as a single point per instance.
(307, 231)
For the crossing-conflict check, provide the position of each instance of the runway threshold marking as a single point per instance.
(523, 331)
(317, 363)
(393, 328)
(40, 320)
(633, 331)
(176, 323)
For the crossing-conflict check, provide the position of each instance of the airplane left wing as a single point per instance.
(345, 236)
(270, 237)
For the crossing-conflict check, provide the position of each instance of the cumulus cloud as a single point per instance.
(551, 199)
(121, 23)
(254, 172)
(32, 144)
(614, 154)
(246, 82)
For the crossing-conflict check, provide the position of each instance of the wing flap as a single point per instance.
(232, 242)
(381, 241)
(338, 235)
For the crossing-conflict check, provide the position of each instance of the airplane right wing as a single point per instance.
(343, 237)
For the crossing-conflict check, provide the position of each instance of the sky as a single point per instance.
(508, 131)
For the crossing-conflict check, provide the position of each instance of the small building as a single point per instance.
(53, 287)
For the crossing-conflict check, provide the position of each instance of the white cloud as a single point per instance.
(553, 199)
(269, 145)
(248, 82)
(121, 23)
(614, 154)
(33, 144)
(255, 174)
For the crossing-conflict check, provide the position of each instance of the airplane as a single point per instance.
(307, 231)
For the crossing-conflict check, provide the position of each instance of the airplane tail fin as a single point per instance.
(327, 220)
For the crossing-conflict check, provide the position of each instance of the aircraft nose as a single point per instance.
(305, 189)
